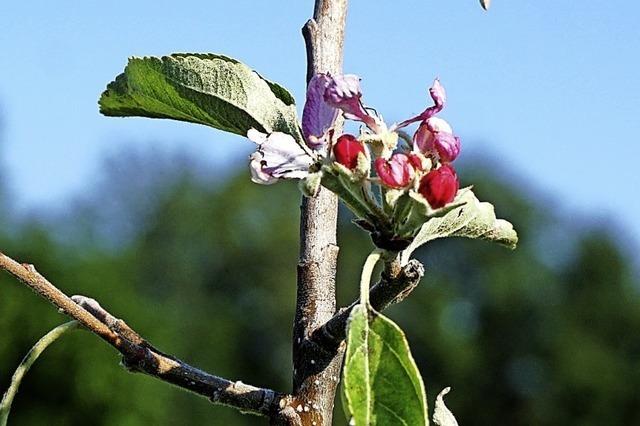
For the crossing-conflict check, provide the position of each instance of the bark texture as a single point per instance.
(316, 370)
(140, 356)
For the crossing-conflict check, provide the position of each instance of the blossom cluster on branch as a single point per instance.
(393, 184)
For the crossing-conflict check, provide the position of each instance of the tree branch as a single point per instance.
(313, 388)
(140, 356)
(394, 286)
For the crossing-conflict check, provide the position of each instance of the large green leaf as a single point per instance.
(473, 219)
(382, 384)
(207, 89)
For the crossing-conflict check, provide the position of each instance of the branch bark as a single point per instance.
(139, 356)
(316, 371)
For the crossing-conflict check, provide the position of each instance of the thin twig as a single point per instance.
(140, 356)
(26, 363)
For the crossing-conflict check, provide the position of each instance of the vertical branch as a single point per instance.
(316, 371)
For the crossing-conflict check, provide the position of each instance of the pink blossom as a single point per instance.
(396, 172)
(435, 136)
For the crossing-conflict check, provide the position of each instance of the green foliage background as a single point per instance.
(204, 267)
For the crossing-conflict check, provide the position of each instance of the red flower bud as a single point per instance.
(396, 172)
(439, 186)
(346, 151)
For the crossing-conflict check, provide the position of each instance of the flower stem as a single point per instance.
(367, 271)
(27, 362)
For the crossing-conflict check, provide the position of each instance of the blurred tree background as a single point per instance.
(203, 265)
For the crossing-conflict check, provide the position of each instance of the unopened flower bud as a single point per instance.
(439, 186)
(346, 151)
(436, 136)
(396, 172)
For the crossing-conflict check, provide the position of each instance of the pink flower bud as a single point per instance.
(436, 136)
(346, 151)
(439, 186)
(396, 172)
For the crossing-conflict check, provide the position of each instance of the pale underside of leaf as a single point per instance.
(442, 416)
(473, 219)
(206, 89)
(382, 383)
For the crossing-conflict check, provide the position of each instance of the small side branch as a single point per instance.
(395, 284)
(140, 356)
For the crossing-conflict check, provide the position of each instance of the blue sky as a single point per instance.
(550, 88)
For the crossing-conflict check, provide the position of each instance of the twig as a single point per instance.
(27, 362)
(140, 356)
(391, 289)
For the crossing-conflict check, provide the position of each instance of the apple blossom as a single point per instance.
(278, 156)
(347, 149)
(435, 136)
(396, 172)
(439, 186)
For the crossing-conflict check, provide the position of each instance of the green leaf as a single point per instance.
(473, 219)
(207, 89)
(25, 365)
(382, 384)
(441, 414)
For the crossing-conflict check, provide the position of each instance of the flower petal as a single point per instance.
(343, 92)
(437, 124)
(278, 157)
(317, 116)
(439, 96)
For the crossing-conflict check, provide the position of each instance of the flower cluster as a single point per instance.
(414, 179)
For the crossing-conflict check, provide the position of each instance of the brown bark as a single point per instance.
(316, 370)
(139, 356)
